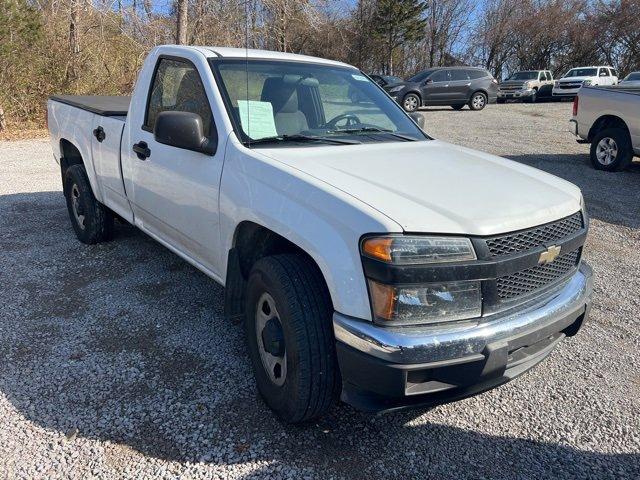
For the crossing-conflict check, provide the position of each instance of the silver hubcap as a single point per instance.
(606, 151)
(411, 103)
(78, 211)
(271, 340)
(478, 101)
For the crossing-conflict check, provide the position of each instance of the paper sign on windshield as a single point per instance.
(257, 119)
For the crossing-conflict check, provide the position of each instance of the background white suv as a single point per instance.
(575, 78)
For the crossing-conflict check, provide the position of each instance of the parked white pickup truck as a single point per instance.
(609, 119)
(574, 79)
(368, 261)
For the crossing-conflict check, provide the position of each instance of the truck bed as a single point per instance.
(105, 105)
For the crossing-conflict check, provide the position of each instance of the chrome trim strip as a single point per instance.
(432, 343)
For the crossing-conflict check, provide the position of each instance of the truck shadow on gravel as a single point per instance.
(126, 344)
(610, 197)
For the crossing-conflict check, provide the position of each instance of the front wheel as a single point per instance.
(533, 98)
(290, 337)
(478, 101)
(611, 150)
(411, 102)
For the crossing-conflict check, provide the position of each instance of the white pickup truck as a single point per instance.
(369, 262)
(571, 82)
(609, 119)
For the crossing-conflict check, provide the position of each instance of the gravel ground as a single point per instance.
(115, 360)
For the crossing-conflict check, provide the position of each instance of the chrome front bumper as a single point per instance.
(462, 342)
(515, 93)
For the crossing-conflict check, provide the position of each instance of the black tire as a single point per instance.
(617, 138)
(92, 221)
(534, 97)
(304, 310)
(478, 101)
(458, 106)
(411, 102)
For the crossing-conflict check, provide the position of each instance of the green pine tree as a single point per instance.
(396, 22)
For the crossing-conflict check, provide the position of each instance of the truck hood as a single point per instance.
(514, 83)
(436, 187)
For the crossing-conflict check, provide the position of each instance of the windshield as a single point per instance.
(632, 76)
(390, 79)
(524, 76)
(582, 72)
(295, 102)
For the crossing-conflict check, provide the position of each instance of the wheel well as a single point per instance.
(69, 155)
(251, 242)
(479, 90)
(606, 121)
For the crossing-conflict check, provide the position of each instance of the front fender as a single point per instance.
(321, 220)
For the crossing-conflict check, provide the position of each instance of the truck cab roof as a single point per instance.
(228, 52)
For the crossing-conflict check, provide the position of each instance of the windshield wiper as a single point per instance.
(376, 130)
(302, 138)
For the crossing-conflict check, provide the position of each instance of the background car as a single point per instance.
(570, 83)
(453, 86)
(528, 85)
(631, 80)
(384, 80)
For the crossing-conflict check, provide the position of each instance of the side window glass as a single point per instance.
(549, 76)
(474, 74)
(542, 76)
(177, 87)
(459, 75)
(604, 72)
(440, 76)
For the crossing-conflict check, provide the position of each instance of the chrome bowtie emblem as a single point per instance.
(549, 255)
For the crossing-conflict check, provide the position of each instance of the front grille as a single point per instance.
(510, 89)
(570, 85)
(534, 237)
(535, 278)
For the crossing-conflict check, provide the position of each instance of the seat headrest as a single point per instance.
(282, 93)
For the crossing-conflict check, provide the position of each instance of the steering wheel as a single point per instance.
(351, 120)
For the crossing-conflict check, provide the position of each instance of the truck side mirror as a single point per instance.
(419, 119)
(184, 130)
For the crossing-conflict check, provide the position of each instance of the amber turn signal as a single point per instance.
(378, 248)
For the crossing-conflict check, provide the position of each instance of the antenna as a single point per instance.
(246, 65)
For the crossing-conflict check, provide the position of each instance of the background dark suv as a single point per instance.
(454, 86)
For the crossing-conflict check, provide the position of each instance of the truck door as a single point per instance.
(174, 191)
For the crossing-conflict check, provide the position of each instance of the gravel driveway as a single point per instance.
(115, 360)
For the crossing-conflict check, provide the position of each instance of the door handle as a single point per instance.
(99, 134)
(142, 150)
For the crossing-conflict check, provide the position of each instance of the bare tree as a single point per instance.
(445, 22)
(182, 21)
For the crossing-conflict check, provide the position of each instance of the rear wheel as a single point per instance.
(478, 101)
(411, 102)
(92, 221)
(290, 337)
(611, 149)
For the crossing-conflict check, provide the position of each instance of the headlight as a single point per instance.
(428, 303)
(556, 83)
(396, 89)
(587, 82)
(526, 86)
(412, 250)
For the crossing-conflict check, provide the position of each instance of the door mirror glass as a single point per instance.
(419, 119)
(183, 130)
